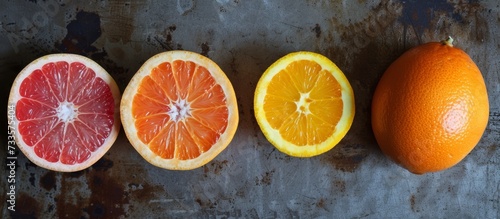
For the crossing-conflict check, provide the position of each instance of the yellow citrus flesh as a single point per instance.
(304, 104)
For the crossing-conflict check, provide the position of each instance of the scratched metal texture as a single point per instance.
(250, 179)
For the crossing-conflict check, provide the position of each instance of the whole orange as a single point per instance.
(430, 107)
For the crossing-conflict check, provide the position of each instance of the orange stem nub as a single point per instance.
(448, 41)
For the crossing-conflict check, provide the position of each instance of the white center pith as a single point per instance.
(303, 103)
(67, 112)
(179, 110)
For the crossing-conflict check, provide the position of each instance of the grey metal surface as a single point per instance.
(251, 179)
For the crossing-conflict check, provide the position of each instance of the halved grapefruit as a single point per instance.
(179, 110)
(66, 112)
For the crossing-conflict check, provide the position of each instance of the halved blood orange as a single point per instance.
(66, 115)
(179, 111)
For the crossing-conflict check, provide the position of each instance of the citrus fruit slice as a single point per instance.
(179, 111)
(66, 112)
(304, 104)
(430, 107)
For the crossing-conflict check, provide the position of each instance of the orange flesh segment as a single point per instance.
(179, 110)
(304, 103)
(44, 91)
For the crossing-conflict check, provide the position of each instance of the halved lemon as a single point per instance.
(304, 104)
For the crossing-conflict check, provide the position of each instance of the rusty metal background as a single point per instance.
(250, 179)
